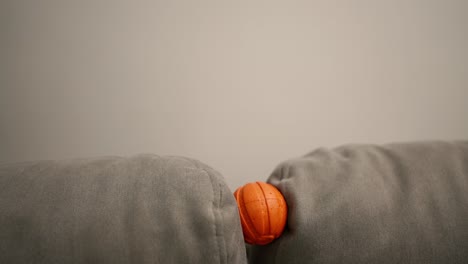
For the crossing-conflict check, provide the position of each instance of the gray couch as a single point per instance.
(398, 203)
(141, 209)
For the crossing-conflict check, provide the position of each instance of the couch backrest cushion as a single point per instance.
(141, 209)
(399, 203)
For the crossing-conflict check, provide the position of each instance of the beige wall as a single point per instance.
(240, 85)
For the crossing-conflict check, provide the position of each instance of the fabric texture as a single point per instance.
(398, 203)
(141, 209)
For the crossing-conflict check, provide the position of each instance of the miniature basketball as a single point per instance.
(263, 212)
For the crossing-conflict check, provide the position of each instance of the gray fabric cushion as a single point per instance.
(399, 203)
(142, 209)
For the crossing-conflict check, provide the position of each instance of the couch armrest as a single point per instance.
(141, 209)
(398, 203)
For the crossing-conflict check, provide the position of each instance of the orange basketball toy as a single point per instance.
(263, 212)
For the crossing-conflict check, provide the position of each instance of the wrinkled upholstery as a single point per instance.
(398, 203)
(141, 209)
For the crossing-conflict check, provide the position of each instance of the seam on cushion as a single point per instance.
(221, 249)
(217, 217)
